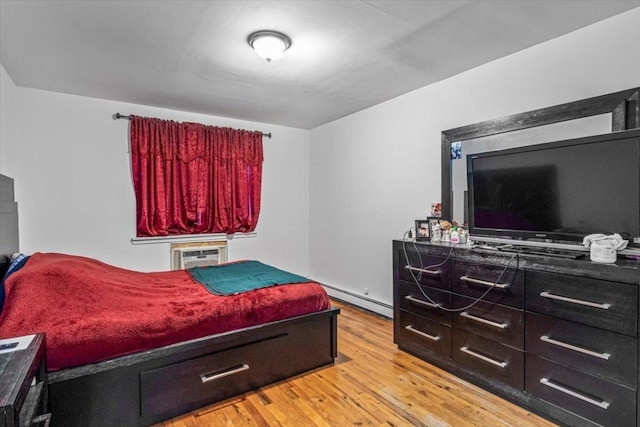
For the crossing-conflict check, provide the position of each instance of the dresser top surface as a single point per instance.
(625, 270)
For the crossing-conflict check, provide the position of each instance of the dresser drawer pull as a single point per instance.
(422, 334)
(497, 363)
(419, 301)
(485, 321)
(423, 270)
(575, 301)
(604, 356)
(225, 373)
(45, 418)
(485, 282)
(599, 403)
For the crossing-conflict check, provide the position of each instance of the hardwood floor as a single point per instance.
(371, 383)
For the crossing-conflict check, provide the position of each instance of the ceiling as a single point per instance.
(346, 55)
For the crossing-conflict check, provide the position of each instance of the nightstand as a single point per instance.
(23, 382)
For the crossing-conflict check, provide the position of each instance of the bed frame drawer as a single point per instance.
(146, 388)
(212, 377)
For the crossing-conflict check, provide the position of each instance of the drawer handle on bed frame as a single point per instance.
(419, 301)
(604, 356)
(484, 282)
(485, 321)
(423, 270)
(599, 403)
(225, 373)
(575, 301)
(422, 334)
(497, 363)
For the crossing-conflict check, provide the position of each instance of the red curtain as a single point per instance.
(191, 178)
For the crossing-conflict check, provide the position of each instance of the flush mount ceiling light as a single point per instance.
(269, 44)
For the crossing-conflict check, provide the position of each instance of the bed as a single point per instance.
(112, 362)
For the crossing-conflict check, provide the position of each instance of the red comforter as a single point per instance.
(92, 311)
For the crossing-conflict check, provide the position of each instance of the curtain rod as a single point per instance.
(120, 116)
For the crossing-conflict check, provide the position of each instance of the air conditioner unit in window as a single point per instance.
(197, 256)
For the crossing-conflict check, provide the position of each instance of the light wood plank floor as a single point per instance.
(371, 383)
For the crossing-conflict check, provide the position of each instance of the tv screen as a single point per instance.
(560, 191)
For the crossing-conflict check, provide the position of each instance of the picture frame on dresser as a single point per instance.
(433, 221)
(423, 231)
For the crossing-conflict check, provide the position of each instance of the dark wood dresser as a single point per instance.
(557, 336)
(23, 385)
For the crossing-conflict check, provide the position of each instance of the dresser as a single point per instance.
(556, 336)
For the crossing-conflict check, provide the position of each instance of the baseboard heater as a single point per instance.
(353, 294)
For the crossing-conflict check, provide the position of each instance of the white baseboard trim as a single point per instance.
(370, 304)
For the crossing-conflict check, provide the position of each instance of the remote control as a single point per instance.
(8, 345)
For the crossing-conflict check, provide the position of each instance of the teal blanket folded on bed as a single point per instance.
(231, 279)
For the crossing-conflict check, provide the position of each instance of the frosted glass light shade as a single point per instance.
(269, 45)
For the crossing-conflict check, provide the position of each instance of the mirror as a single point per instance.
(593, 116)
(577, 128)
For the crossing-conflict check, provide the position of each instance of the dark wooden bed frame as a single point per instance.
(151, 386)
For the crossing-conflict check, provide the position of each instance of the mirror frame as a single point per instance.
(624, 107)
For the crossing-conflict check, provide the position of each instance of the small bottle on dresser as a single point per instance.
(455, 237)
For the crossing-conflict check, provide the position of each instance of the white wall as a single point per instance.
(373, 173)
(7, 124)
(73, 184)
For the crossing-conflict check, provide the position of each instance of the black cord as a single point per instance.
(418, 278)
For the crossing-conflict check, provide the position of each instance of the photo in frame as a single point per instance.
(432, 221)
(436, 209)
(422, 230)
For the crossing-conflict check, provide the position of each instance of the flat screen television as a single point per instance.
(559, 191)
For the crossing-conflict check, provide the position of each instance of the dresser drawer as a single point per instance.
(209, 378)
(488, 358)
(490, 320)
(600, 303)
(424, 337)
(505, 287)
(595, 351)
(427, 270)
(413, 299)
(601, 401)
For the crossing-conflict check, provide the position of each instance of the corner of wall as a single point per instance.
(7, 124)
